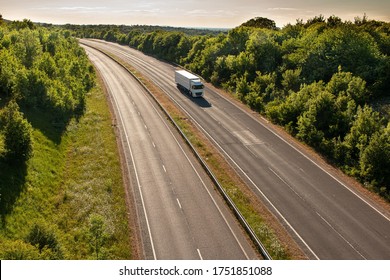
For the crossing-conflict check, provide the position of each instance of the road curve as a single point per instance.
(182, 216)
(326, 216)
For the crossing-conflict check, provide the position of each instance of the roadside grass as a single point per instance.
(71, 185)
(274, 237)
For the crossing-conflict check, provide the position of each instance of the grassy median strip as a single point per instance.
(70, 202)
(274, 237)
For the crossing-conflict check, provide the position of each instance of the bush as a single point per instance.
(17, 133)
(375, 160)
(45, 240)
(18, 250)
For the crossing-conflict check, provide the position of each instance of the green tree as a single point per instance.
(45, 240)
(9, 69)
(366, 123)
(263, 86)
(237, 39)
(183, 47)
(295, 105)
(317, 123)
(25, 24)
(27, 47)
(315, 20)
(355, 51)
(307, 130)
(242, 88)
(333, 21)
(264, 51)
(17, 133)
(260, 22)
(97, 234)
(375, 160)
(291, 80)
(110, 36)
(18, 250)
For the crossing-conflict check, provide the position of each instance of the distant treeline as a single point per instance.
(99, 31)
(318, 79)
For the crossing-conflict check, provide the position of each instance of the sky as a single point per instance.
(188, 13)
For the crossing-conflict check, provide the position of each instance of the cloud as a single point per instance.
(144, 12)
(210, 13)
(82, 8)
(282, 9)
(71, 8)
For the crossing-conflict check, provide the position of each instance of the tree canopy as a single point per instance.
(41, 70)
(260, 22)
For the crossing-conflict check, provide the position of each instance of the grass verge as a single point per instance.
(70, 199)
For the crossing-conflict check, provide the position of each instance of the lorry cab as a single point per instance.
(196, 88)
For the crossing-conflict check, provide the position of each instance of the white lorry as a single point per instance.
(189, 82)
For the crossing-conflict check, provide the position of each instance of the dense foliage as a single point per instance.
(38, 70)
(319, 79)
(44, 78)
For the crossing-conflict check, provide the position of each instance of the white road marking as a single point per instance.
(200, 255)
(288, 185)
(339, 234)
(178, 202)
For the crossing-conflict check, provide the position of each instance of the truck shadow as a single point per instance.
(200, 101)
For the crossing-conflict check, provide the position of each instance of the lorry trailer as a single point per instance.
(189, 82)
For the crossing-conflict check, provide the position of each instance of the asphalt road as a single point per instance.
(326, 216)
(181, 215)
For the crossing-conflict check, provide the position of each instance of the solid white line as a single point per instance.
(200, 256)
(178, 202)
